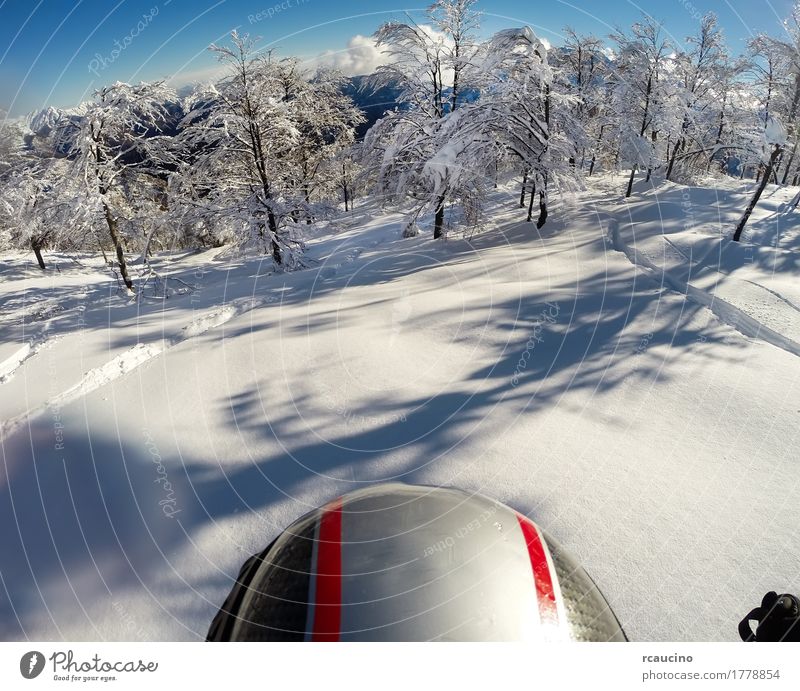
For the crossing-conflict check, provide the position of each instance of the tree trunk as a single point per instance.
(648, 94)
(752, 205)
(37, 250)
(630, 182)
(438, 221)
(276, 252)
(115, 239)
(654, 139)
(148, 241)
(720, 130)
(530, 204)
(102, 251)
(344, 186)
(542, 209)
(671, 164)
(277, 255)
(790, 162)
(522, 191)
(542, 204)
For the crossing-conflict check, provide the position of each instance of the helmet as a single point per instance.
(397, 562)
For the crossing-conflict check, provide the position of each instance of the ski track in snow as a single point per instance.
(775, 293)
(11, 364)
(142, 353)
(759, 286)
(724, 310)
(42, 311)
(125, 362)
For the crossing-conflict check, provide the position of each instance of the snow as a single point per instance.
(654, 437)
(751, 287)
(774, 132)
(8, 365)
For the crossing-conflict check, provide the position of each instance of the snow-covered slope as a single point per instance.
(149, 449)
(684, 234)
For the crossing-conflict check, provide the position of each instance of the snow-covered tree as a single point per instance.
(41, 206)
(341, 175)
(433, 65)
(325, 119)
(235, 147)
(777, 63)
(730, 112)
(11, 144)
(252, 147)
(639, 76)
(773, 145)
(788, 102)
(699, 76)
(113, 137)
(534, 113)
(581, 65)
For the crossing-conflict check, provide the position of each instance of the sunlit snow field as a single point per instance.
(625, 376)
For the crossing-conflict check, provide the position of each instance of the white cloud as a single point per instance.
(435, 35)
(207, 74)
(362, 56)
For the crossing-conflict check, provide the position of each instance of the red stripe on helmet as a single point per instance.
(328, 597)
(543, 578)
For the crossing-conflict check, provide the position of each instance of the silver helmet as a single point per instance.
(397, 562)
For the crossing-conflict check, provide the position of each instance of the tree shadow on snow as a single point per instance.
(87, 522)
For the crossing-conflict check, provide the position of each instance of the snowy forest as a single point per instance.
(254, 158)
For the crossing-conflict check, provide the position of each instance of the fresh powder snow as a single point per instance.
(626, 376)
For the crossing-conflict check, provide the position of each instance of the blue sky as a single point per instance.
(56, 52)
